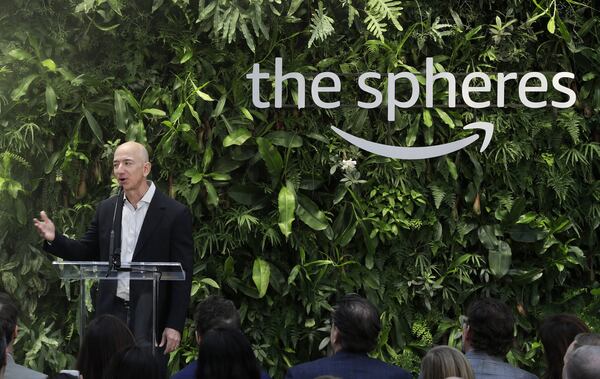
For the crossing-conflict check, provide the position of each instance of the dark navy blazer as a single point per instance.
(166, 236)
(189, 372)
(347, 366)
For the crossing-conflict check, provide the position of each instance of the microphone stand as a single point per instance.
(114, 258)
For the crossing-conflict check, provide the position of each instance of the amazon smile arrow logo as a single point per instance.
(421, 152)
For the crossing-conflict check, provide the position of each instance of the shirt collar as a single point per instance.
(147, 198)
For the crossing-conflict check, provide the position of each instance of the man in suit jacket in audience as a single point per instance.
(487, 338)
(354, 330)
(8, 325)
(212, 312)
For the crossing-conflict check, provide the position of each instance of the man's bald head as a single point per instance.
(584, 363)
(131, 166)
(135, 148)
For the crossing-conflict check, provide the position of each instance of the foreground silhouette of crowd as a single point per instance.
(109, 351)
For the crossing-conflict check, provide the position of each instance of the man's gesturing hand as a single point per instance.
(45, 227)
(171, 338)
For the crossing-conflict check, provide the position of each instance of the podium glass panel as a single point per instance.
(133, 271)
(170, 271)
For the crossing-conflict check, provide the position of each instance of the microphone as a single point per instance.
(114, 260)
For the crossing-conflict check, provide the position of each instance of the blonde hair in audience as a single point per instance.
(442, 362)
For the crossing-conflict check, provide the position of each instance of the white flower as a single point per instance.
(348, 165)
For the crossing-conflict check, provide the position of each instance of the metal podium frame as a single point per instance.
(154, 271)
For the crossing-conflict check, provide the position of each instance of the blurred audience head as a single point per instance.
(133, 363)
(355, 325)
(3, 353)
(585, 339)
(556, 333)
(225, 353)
(8, 318)
(489, 327)
(104, 336)
(583, 363)
(442, 362)
(582, 339)
(215, 312)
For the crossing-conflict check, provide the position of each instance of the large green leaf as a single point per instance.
(22, 88)
(271, 156)
(500, 259)
(286, 205)
(51, 104)
(285, 139)
(238, 137)
(261, 273)
(246, 194)
(93, 125)
(487, 236)
(310, 213)
(211, 194)
(120, 112)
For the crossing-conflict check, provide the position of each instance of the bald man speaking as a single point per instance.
(149, 227)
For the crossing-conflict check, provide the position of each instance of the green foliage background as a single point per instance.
(279, 225)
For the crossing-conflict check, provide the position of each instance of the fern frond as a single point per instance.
(438, 195)
(571, 122)
(450, 200)
(373, 47)
(352, 12)
(591, 151)
(506, 200)
(389, 9)
(573, 130)
(6, 157)
(573, 156)
(247, 35)
(375, 26)
(321, 26)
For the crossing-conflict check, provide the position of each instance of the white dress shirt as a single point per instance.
(131, 224)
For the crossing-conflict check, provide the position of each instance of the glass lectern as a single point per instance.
(154, 271)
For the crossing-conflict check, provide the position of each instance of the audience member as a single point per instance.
(584, 363)
(3, 353)
(134, 362)
(556, 333)
(487, 338)
(354, 330)
(213, 312)
(225, 353)
(8, 322)
(104, 336)
(442, 362)
(582, 339)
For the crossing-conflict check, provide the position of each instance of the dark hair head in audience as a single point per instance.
(556, 333)
(134, 362)
(225, 353)
(215, 312)
(584, 363)
(8, 316)
(2, 352)
(489, 327)
(442, 362)
(104, 336)
(355, 325)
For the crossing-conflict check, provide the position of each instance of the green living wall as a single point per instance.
(284, 222)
